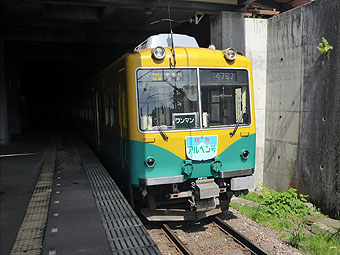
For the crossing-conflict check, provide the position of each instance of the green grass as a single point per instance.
(252, 197)
(284, 212)
(268, 220)
(321, 244)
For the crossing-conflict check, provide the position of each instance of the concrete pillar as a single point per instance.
(227, 29)
(256, 50)
(4, 135)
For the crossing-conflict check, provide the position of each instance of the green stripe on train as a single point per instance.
(168, 164)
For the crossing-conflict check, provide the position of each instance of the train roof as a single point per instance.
(165, 40)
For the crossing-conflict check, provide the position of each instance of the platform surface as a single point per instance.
(18, 175)
(87, 212)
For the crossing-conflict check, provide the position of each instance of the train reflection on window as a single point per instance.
(109, 110)
(169, 98)
(167, 95)
(225, 97)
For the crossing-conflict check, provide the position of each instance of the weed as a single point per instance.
(337, 216)
(296, 236)
(283, 212)
(285, 204)
(324, 47)
(322, 244)
(252, 197)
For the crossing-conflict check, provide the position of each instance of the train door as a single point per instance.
(97, 120)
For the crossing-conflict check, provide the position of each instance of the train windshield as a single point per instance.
(225, 97)
(168, 98)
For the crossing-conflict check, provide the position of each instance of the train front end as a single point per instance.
(191, 130)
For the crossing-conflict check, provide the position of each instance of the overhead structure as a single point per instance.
(50, 46)
(110, 21)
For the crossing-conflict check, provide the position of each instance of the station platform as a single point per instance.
(57, 198)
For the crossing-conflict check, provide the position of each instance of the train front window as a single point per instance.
(225, 97)
(168, 98)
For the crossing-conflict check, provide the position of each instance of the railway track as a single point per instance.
(248, 247)
(255, 249)
(174, 238)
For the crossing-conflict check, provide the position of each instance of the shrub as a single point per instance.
(285, 204)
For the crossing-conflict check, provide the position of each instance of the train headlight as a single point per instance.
(150, 162)
(158, 53)
(244, 154)
(230, 54)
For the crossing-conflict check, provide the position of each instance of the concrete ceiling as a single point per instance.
(99, 21)
(109, 21)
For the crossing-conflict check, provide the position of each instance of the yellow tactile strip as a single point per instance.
(30, 236)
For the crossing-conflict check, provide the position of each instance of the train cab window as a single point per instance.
(225, 97)
(168, 98)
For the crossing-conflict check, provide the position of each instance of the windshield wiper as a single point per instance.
(237, 123)
(164, 136)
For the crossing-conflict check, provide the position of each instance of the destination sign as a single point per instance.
(201, 147)
(167, 75)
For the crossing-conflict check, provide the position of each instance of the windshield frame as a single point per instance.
(200, 128)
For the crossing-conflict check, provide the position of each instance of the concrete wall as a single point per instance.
(256, 50)
(302, 144)
(284, 81)
(227, 30)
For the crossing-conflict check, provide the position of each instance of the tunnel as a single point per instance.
(49, 50)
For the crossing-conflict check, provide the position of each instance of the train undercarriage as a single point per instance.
(191, 200)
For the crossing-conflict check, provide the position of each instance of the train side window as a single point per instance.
(89, 103)
(107, 108)
(111, 110)
(101, 109)
(116, 108)
(124, 109)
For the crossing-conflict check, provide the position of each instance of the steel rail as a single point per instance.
(180, 245)
(239, 237)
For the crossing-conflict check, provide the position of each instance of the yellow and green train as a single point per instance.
(176, 124)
